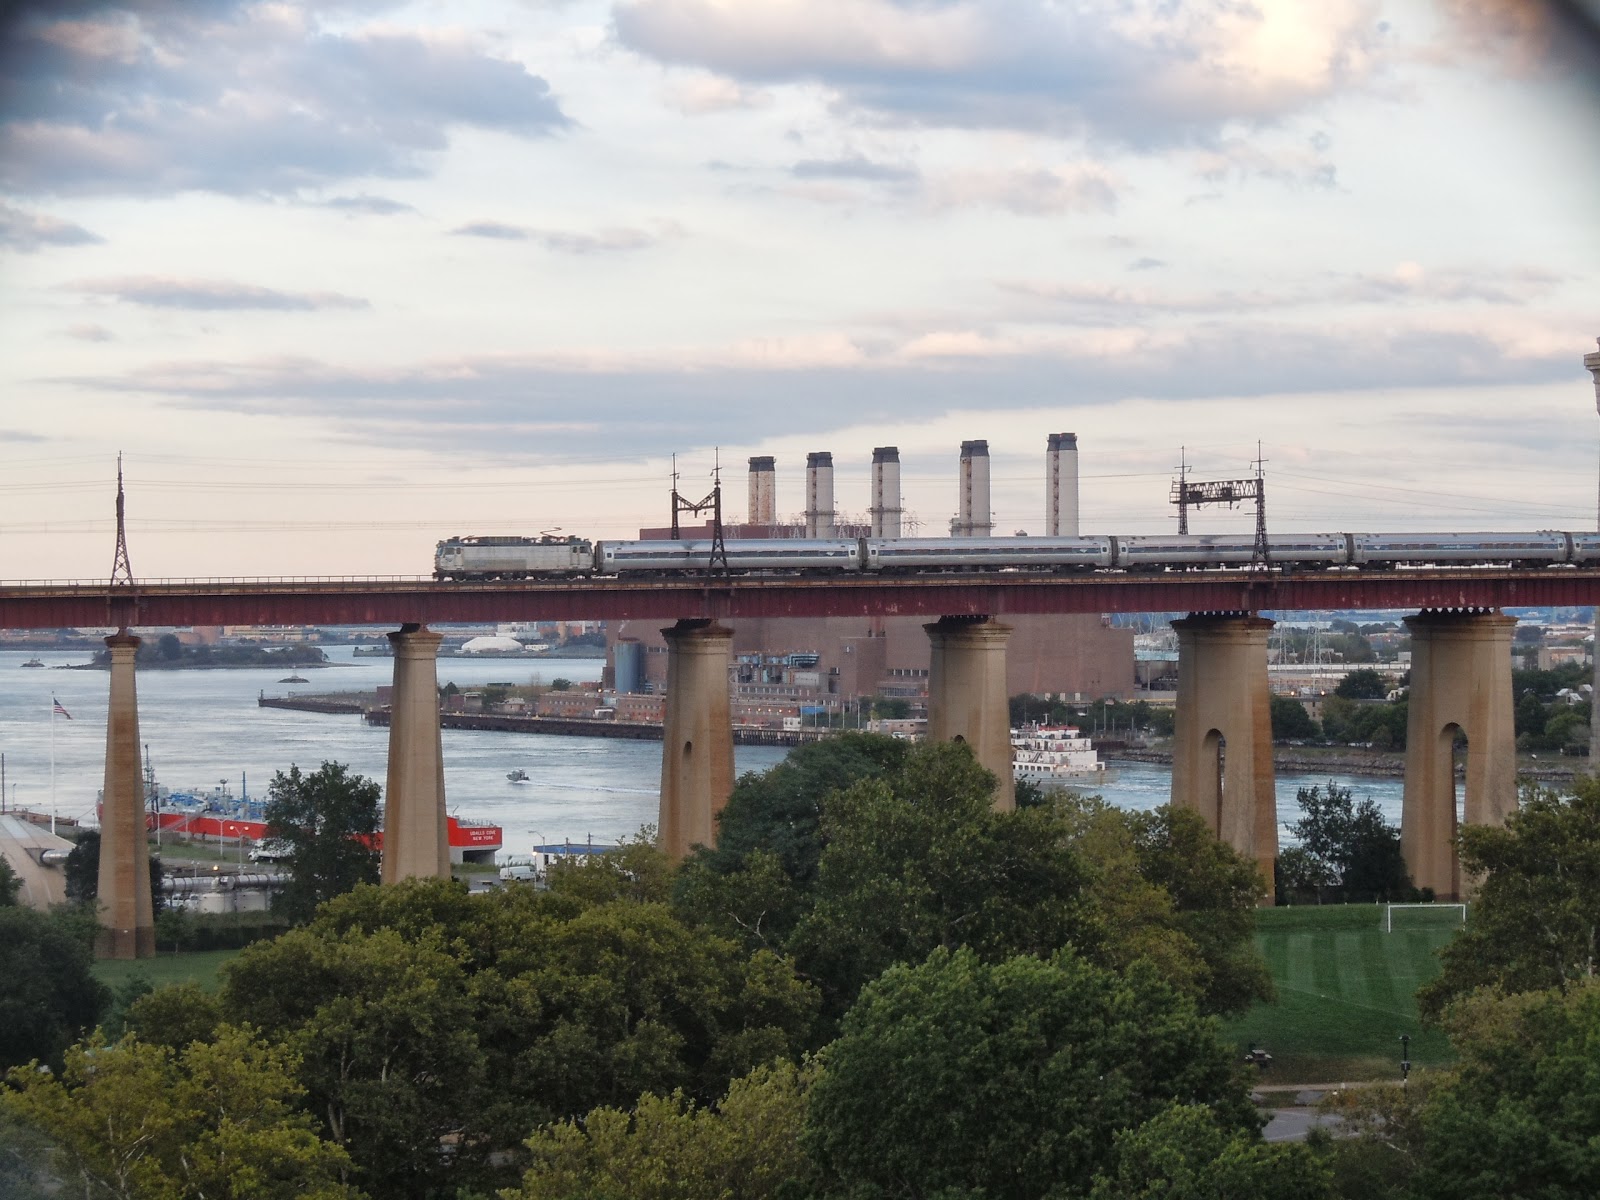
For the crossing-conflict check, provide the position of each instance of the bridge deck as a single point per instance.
(396, 601)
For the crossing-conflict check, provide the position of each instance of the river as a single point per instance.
(202, 727)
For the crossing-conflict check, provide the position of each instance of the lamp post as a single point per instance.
(1591, 362)
(1405, 1059)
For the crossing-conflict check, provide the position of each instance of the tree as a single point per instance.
(560, 685)
(919, 859)
(1363, 684)
(1521, 1116)
(747, 1146)
(328, 820)
(214, 1120)
(175, 1016)
(1536, 918)
(1357, 849)
(49, 996)
(1011, 1079)
(1184, 1153)
(1291, 720)
(169, 647)
(82, 873)
(427, 1016)
(10, 884)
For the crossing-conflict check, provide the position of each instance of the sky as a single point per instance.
(338, 280)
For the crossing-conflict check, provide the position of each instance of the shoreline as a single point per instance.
(1385, 764)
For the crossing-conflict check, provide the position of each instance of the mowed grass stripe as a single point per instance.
(1346, 992)
(1292, 958)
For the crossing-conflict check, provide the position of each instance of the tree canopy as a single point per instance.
(328, 820)
(1009, 1079)
(1346, 847)
(217, 1119)
(1536, 916)
(49, 998)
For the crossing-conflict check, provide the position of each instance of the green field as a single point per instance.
(1346, 991)
(195, 966)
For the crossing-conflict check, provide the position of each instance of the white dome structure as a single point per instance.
(496, 645)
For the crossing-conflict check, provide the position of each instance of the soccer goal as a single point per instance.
(1389, 910)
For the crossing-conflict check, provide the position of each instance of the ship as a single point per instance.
(517, 776)
(216, 812)
(34, 662)
(1056, 756)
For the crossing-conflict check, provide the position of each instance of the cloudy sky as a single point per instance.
(340, 279)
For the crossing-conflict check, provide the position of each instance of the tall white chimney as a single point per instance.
(886, 508)
(974, 519)
(819, 495)
(1061, 485)
(763, 490)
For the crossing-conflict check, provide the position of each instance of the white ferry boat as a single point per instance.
(1052, 756)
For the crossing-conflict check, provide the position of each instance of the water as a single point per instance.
(204, 726)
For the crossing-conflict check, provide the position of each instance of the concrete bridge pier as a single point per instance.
(1460, 684)
(1222, 741)
(696, 736)
(127, 920)
(416, 843)
(967, 698)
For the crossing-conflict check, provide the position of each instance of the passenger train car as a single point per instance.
(488, 558)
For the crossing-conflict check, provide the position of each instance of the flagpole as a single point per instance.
(52, 763)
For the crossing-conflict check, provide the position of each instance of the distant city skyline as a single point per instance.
(343, 279)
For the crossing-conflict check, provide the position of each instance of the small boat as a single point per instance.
(33, 662)
(517, 776)
(294, 679)
(1056, 756)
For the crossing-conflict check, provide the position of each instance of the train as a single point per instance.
(550, 557)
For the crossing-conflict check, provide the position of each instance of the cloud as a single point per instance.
(29, 231)
(21, 435)
(1235, 158)
(698, 94)
(1509, 286)
(1146, 264)
(649, 403)
(207, 295)
(242, 99)
(1139, 72)
(491, 229)
(601, 241)
(1026, 191)
(374, 206)
(89, 333)
(854, 166)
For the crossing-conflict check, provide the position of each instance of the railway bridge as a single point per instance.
(1222, 756)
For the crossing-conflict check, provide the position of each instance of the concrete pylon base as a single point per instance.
(696, 736)
(967, 698)
(1460, 683)
(1222, 739)
(127, 917)
(416, 842)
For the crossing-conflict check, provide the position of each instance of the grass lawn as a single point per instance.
(1346, 991)
(196, 966)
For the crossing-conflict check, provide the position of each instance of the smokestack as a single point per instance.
(819, 495)
(763, 491)
(1061, 485)
(886, 508)
(974, 520)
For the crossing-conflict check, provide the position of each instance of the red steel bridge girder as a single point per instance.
(387, 602)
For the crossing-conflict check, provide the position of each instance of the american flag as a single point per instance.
(59, 711)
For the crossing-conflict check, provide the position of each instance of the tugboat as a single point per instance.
(517, 776)
(1056, 756)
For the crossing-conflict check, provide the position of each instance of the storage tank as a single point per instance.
(819, 495)
(885, 509)
(973, 518)
(629, 665)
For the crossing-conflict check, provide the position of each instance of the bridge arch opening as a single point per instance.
(1213, 770)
